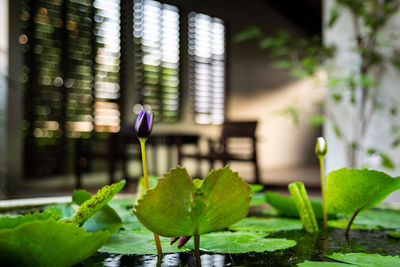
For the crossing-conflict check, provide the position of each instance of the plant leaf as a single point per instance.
(12, 222)
(306, 212)
(363, 259)
(96, 202)
(242, 242)
(135, 242)
(352, 190)
(286, 207)
(255, 188)
(105, 218)
(48, 243)
(176, 207)
(267, 224)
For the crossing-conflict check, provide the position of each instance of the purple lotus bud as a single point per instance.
(144, 124)
(182, 240)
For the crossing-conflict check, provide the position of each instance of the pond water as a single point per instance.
(309, 247)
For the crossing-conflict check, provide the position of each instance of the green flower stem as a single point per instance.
(197, 249)
(146, 185)
(321, 167)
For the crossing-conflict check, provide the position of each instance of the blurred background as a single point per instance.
(251, 84)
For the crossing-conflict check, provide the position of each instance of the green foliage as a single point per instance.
(394, 234)
(141, 188)
(95, 203)
(48, 243)
(242, 242)
(136, 242)
(247, 34)
(106, 218)
(386, 161)
(286, 207)
(266, 224)
(12, 222)
(177, 207)
(371, 220)
(292, 113)
(356, 259)
(316, 120)
(306, 212)
(352, 190)
(255, 188)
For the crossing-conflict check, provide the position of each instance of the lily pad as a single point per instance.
(136, 242)
(267, 224)
(323, 263)
(12, 222)
(242, 242)
(351, 190)
(48, 243)
(132, 242)
(179, 207)
(363, 259)
(371, 219)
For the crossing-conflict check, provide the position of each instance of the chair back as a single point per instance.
(239, 129)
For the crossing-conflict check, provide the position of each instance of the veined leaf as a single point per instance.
(12, 222)
(96, 202)
(306, 212)
(352, 190)
(48, 243)
(266, 224)
(105, 218)
(177, 207)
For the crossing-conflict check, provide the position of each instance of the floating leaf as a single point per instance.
(356, 259)
(352, 190)
(242, 242)
(135, 242)
(12, 222)
(177, 207)
(324, 264)
(363, 259)
(96, 202)
(267, 224)
(48, 243)
(371, 219)
(306, 212)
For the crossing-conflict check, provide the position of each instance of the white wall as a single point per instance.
(346, 61)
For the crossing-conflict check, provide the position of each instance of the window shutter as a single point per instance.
(107, 65)
(207, 68)
(156, 37)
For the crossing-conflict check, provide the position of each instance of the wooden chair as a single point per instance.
(237, 143)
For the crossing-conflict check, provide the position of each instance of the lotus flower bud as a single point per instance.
(144, 124)
(182, 240)
(321, 147)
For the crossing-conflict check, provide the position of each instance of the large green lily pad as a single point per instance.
(134, 242)
(179, 206)
(242, 242)
(48, 243)
(139, 242)
(371, 219)
(267, 224)
(357, 259)
(352, 190)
